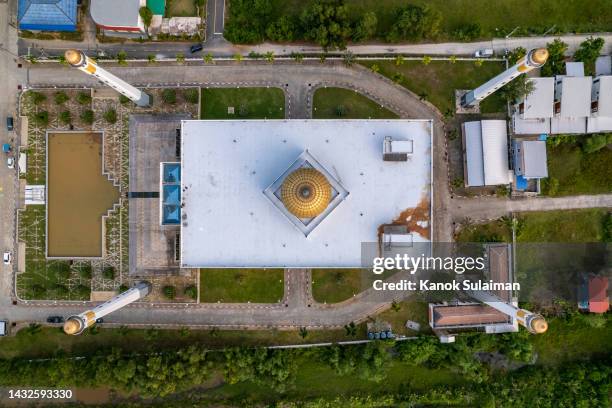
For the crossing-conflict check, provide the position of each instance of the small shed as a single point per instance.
(3, 328)
(47, 15)
(530, 159)
(599, 302)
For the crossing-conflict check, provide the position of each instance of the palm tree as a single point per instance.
(208, 58)
(151, 58)
(269, 56)
(399, 60)
(238, 57)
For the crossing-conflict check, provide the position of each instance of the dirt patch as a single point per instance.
(417, 219)
(78, 195)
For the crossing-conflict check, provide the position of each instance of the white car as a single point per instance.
(6, 258)
(485, 53)
(10, 162)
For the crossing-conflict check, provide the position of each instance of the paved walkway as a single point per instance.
(217, 46)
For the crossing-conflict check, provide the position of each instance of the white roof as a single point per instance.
(495, 151)
(2, 328)
(603, 65)
(576, 97)
(574, 69)
(486, 152)
(530, 126)
(116, 13)
(539, 103)
(604, 100)
(534, 159)
(560, 124)
(226, 166)
(473, 154)
(596, 124)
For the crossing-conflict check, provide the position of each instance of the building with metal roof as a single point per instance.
(47, 15)
(530, 159)
(599, 302)
(485, 153)
(299, 193)
(118, 15)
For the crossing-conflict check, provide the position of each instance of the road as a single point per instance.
(218, 47)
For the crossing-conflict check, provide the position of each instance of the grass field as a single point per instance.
(578, 172)
(181, 8)
(248, 103)
(339, 103)
(437, 81)
(241, 285)
(566, 226)
(335, 285)
(496, 18)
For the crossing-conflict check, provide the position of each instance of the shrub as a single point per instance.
(85, 271)
(191, 95)
(61, 269)
(122, 57)
(84, 98)
(123, 99)
(414, 22)
(87, 116)
(65, 118)
(40, 119)
(147, 16)
(36, 98)
(110, 116)
(596, 142)
(169, 96)
(191, 291)
(108, 272)
(123, 287)
(169, 292)
(61, 98)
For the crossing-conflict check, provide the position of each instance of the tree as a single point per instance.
(375, 68)
(151, 58)
(468, 32)
(36, 98)
(122, 57)
(87, 116)
(84, 98)
(169, 292)
(147, 16)
(303, 332)
(596, 142)
(417, 351)
(399, 60)
(351, 329)
(61, 98)
(555, 65)
(326, 22)
(191, 291)
(180, 58)
(517, 89)
(110, 116)
(269, 56)
(426, 60)
(238, 57)
(414, 22)
(40, 119)
(61, 269)
(191, 95)
(588, 52)
(298, 57)
(515, 55)
(208, 58)
(348, 58)
(169, 96)
(123, 99)
(85, 271)
(366, 27)
(108, 272)
(64, 118)
(248, 20)
(283, 29)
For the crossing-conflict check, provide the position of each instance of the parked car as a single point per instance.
(10, 162)
(99, 320)
(9, 123)
(196, 47)
(484, 53)
(55, 319)
(6, 258)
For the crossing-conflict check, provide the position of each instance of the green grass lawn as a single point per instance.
(180, 8)
(339, 103)
(437, 81)
(336, 285)
(578, 172)
(248, 103)
(417, 311)
(241, 285)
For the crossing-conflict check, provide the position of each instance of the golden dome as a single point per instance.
(539, 56)
(73, 57)
(306, 193)
(71, 326)
(539, 325)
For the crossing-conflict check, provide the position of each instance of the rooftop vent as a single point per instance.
(396, 150)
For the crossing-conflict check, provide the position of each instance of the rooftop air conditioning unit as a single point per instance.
(396, 150)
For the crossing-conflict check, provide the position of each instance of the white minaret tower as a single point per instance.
(79, 60)
(534, 59)
(78, 323)
(531, 321)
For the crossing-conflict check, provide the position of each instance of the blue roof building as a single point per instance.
(47, 15)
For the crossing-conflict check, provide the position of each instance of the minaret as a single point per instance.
(78, 323)
(531, 321)
(534, 59)
(79, 60)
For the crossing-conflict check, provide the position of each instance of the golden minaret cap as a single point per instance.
(306, 193)
(539, 56)
(73, 57)
(539, 325)
(71, 326)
